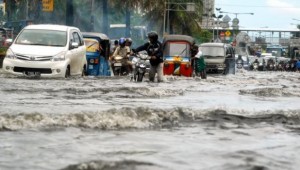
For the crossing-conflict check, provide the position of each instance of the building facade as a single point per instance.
(208, 11)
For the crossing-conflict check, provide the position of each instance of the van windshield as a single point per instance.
(212, 51)
(42, 37)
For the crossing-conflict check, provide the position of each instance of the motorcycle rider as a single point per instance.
(256, 62)
(123, 51)
(154, 50)
(129, 44)
(239, 62)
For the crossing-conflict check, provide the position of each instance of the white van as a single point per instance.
(48, 51)
(218, 57)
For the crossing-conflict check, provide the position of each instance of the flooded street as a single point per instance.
(248, 121)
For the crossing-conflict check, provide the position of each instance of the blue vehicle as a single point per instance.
(97, 54)
(276, 50)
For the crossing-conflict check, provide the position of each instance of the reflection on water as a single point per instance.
(245, 121)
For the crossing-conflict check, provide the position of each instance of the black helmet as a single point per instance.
(152, 36)
(116, 42)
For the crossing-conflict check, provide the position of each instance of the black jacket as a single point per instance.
(154, 49)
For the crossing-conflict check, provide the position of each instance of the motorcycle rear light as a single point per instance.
(96, 61)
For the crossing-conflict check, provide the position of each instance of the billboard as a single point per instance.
(48, 5)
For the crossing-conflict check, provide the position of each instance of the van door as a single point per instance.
(75, 57)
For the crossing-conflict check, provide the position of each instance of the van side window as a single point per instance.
(76, 38)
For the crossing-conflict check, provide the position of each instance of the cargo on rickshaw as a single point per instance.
(177, 55)
(97, 53)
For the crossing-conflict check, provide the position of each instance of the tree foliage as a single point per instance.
(88, 14)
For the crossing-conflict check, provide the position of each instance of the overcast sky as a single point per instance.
(267, 13)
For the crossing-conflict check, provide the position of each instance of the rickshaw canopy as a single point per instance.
(176, 37)
(177, 45)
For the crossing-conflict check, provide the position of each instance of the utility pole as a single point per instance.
(105, 17)
(92, 16)
(70, 13)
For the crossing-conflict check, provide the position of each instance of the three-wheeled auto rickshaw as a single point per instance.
(177, 55)
(97, 53)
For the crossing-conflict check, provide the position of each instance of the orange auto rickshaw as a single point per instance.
(177, 55)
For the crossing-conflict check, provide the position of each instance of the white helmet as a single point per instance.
(199, 54)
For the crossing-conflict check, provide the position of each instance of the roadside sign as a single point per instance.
(222, 34)
(48, 5)
(227, 33)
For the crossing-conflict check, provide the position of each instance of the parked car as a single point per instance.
(48, 51)
(219, 57)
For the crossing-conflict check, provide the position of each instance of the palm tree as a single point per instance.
(130, 5)
(180, 21)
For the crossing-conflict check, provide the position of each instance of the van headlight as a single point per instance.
(10, 54)
(59, 57)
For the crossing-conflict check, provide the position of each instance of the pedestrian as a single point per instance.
(298, 65)
(155, 51)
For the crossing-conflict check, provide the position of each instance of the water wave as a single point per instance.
(145, 118)
(271, 92)
(108, 165)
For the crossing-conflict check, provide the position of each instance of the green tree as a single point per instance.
(130, 5)
(180, 21)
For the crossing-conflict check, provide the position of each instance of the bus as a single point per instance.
(276, 50)
(138, 33)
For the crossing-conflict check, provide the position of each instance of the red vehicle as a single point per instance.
(5, 34)
(177, 55)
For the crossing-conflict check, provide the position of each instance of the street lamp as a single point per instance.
(218, 17)
(236, 21)
(237, 13)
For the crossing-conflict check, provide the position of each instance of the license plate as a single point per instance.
(118, 64)
(32, 74)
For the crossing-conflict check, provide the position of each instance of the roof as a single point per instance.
(213, 44)
(95, 35)
(174, 37)
(50, 27)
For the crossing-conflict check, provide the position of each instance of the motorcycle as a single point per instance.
(239, 64)
(118, 67)
(255, 66)
(141, 65)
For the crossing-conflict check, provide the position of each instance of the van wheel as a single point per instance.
(84, 71)
(68, 73)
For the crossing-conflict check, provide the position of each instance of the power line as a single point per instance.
(253, 6)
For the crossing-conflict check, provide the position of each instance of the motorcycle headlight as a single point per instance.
(134, 60)
(10, 54)
(59, 57)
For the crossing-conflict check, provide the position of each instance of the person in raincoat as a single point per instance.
(200, 65)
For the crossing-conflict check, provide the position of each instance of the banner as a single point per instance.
(48, 5)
